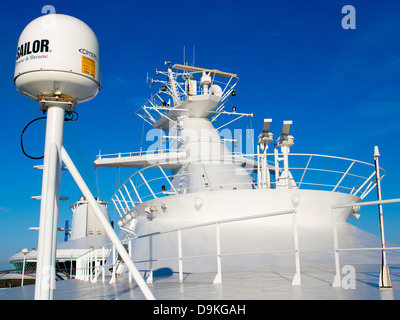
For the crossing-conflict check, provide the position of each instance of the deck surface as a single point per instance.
(268, 284)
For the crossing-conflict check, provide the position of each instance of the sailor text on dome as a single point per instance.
(36, 46)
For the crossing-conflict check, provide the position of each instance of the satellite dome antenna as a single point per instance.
(57, 65)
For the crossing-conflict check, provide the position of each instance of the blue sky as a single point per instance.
(294, 60)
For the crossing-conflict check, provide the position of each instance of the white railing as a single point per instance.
(348, 175)
(135, 153)
(157, 107)
(337, 279)
(91, 265)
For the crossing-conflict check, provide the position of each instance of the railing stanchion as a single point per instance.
(297, 279)
(180, 255)
(218, 277)
(337, 282)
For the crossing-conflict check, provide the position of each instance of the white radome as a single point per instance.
(58, 56)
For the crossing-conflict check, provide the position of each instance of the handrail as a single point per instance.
(178, 91)
(90, 270)
(210, 223)
(337, 279)
(134, 153)
(127, 196)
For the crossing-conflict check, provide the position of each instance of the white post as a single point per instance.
(180, 256)
(384, 276)
(103, 274)
(113, 265)
(96, 267)
(218, 277)
(48, 224)
(77, 270)
(297, 278)
(106, 225)
(130, 254)
(70, 265)
(24, 251)
(86, 267)
(258, 168)
(150, 277)
(91, 265)
(337, 282)
(264, 168)
(276, 159)
(285, 174)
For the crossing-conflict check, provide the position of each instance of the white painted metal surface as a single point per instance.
(208, 186)
(218, 215)
(48, 223)
(105, 223)
(58, 56)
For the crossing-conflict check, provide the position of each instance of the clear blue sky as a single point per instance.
(294, 60)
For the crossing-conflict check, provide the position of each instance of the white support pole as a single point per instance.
(169, 181)
(145, 181)
(258, 168)
(91, 266)
(136, 192)
(180, 261)
(297, 278)
(344, 175)
(285, 174)
(276, 160)
(130, 254)
(103, 273)
(113, 265)
(218, 277)
(23, 271)
(48, 224)
(384, 276)
(87, 267)
(150, 277)
(106, 225)
(96, 267)
(77, 269)
(337, 282)
(264, 168)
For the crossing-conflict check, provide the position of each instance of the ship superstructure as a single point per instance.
(196, 204)
(85, 234)
(199, 211)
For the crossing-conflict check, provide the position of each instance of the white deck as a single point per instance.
(268, 284)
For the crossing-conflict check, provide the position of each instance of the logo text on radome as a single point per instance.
(33, 47)
(88, 53)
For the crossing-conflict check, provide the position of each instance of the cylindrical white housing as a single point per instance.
(58, 56)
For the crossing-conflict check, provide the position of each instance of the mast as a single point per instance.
(173, 87)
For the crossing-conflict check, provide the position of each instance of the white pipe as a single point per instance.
(106, 225)
(180, 261)
(296, 279)
(337, 282)
(384, 277)
(218, 277)
(103, 273)
(23, 271)
(48, 223)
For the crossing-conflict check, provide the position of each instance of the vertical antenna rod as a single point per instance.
(384, 276)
